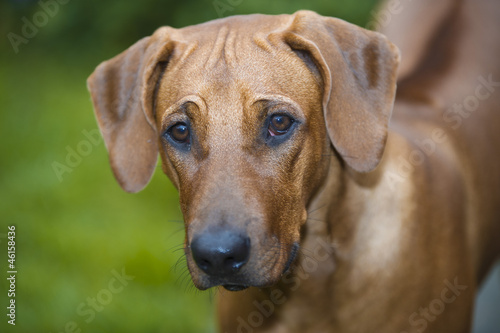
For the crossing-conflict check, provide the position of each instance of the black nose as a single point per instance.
(220, 253)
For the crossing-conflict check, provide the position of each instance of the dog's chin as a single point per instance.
(232, 284)
(238, 282)
(234, 287)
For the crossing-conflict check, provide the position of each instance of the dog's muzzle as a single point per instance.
(221, 254)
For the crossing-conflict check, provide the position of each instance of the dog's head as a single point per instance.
(244, 112)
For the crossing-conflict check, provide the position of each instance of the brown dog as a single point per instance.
(274, 129)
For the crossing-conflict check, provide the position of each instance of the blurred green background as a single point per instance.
(75, 232)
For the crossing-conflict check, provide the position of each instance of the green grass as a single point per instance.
(72, 234)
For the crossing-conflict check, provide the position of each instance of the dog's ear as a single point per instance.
(358, 71)
(122, 90)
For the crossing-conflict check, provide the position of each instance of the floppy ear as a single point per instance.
(122, 90)
(358, 70)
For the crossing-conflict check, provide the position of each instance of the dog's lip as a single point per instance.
(234, 287)
(291, 259)
(240, 282)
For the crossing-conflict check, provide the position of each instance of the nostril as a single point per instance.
(204, 264)
(232, 263)
(239, 255)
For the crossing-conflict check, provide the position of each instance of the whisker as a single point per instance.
(177, 247)
(313, 219)
(175, 232)
(181, 260)
(315, 209)
(176, 221)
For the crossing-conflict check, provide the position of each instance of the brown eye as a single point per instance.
(279, 124)
(179, 132)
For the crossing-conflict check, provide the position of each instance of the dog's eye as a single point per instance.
(279, 124)
(179, 132)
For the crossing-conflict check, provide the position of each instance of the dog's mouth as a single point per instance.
(234, 287)
(293, 255)
(211, 271)
(238, 287)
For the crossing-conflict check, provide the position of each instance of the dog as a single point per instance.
(316, 197)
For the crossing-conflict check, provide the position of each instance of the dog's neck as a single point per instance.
(348, 213)
(346, 236)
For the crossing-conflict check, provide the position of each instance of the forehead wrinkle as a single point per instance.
(182, 54)
(217, 48)
(230, 49)
(260, 39)
(188, 51)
